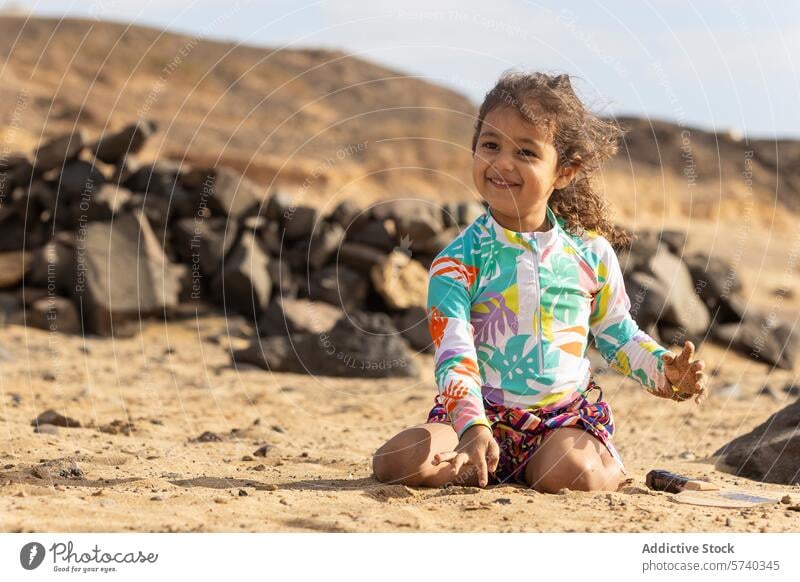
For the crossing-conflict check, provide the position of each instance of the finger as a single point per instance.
(444, 457)
(493, 456)
(459, 461)
(483, 472)
(668, 358)
(687, 353)
(699, 365)
(701, 396)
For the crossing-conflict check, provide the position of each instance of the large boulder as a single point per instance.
(103, 205)
(360, 257)
(299, 222)
(684, 308)
(54, 264)
(648, 298)
(112, 148)
(289, 317)
(123, 274)
(52, 313)
(79, 180)
(339, 286)
(379, 234)
(58, 151)
(223, 191)
(13, 266)
(202, 244)
(770, 452)
(417, 220)
(761, 338)
(401, 281)
(244, 285)
(360, 345)
(714, 278)
(413, 324)
(324, 243)
(160, 178)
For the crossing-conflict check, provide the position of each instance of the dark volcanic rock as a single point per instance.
(339, 286)
(244, 285)
(770, 452)
(79, 179)
(761, 338)
(114, 147)
(202, 244)
(413, 324)
(56, 152)
(56, 419)
(54, 314)
(292, 316)
(361, 345)
(224, 191)
(123, 273)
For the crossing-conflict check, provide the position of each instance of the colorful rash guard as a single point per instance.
(510, 314)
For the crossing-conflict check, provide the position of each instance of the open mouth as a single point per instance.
(502, 183)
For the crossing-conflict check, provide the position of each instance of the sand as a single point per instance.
(174, 381)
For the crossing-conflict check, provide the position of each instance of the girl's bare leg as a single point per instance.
(406, 458)
(571, 457)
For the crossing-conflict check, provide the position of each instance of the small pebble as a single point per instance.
(786, 499)
(156, 498)
(262, 451)
(247, 458)
(208, 437)
(242, 493)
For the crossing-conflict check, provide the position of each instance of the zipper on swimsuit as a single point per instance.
(539, 307)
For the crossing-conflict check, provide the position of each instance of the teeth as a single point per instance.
(502, 183)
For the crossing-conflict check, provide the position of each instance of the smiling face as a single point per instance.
(515, 169)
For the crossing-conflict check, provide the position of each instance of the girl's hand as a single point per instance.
(476, 448)
(685, 375)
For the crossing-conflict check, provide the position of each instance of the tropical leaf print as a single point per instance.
(516, 364)
(436, 324)
(500, 258)
(455, 269)
(560, 284)
(491, 317)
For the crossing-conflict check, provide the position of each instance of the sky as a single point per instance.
(715, 64)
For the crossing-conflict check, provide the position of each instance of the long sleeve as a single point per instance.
(626, 348)
(456, 363)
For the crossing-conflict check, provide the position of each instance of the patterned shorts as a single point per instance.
(519, 432)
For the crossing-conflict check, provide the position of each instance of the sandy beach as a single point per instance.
(144, 463)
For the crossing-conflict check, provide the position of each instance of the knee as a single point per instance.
(580, 474)
(594, 475)
(401, 459)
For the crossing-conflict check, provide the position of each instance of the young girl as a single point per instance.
(512, 300)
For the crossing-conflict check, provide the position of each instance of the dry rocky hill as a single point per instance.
(332, 126)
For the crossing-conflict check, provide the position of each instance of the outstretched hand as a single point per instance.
(476, 450)
(685, 375)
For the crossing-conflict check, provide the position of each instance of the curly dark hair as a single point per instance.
(580, 138)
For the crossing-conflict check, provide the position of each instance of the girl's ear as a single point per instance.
(565, 176)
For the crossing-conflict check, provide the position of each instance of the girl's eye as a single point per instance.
(489, 144)
(527, 153)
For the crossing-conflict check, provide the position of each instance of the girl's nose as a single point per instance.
(504, 162)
